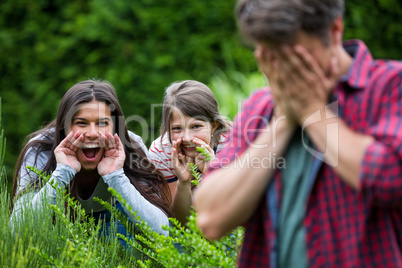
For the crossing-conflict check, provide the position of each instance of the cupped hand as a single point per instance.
(307, 87)
(200, 159)
(114, 155)
(65, 152)
(268, 62)
(181, 163)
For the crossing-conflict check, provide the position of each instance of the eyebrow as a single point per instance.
(84, 119)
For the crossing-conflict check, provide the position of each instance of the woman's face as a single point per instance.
(92, 119)
(187, 128)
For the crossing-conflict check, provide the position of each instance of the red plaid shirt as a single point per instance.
(344, 227)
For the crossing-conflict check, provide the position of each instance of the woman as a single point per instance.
(86, 150)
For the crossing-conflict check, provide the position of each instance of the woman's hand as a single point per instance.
(200, 159)
(181, 163)
(114, 155)
(65, 152)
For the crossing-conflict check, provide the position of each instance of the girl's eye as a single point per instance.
(197, 126)
(176, 129)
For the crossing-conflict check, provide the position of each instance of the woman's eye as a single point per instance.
(80, 123)
(197, 126)
(176, 129)
(103, 123)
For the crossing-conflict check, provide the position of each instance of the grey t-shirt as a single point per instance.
(295, 189)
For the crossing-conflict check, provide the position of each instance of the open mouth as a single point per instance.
(90, 151)
(189, 147)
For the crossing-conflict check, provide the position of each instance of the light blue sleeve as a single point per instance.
(61, 176)
(139, 140)
(148, 212)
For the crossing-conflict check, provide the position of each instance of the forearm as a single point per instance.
(228, 196)
(342, 148)
(148, 212)
(60, 178)
(182, 201)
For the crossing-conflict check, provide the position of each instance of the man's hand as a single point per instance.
(307, 86)
(269, 65)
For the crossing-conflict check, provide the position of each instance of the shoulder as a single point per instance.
(135, 137)
(384, 83)
(255, 110)
(261, 95)
(388, 69)
(42, 135)
(139, 141)
(222, 141)
(160, 146)
(35, 141)
(258, 102)
(366, 72)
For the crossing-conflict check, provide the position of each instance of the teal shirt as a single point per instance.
(295, 189)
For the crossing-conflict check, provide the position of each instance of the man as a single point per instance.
(333, 114)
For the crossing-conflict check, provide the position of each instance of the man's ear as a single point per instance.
(336, 32)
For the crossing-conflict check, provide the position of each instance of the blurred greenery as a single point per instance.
(140, 47)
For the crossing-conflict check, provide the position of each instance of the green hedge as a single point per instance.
(140, 47)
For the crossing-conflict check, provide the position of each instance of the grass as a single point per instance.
(50, 238)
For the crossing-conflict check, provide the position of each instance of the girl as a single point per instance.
(88, 149)
(190, 119)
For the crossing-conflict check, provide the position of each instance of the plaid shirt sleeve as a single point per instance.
(254, 116)
(254, 113)
(381, 170)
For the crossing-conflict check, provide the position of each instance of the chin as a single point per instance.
(190, 154)
(89, 167)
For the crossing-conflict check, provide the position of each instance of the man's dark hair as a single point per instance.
(279, 21)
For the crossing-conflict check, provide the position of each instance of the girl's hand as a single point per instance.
(65, 152)
(181, 163)
(114, 155)
(200, 160)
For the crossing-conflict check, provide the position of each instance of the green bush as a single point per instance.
(233, 87)
(140, 47)
(51, 238)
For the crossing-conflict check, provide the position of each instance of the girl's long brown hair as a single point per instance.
(139, 170)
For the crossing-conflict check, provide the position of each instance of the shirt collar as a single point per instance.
(358, 74)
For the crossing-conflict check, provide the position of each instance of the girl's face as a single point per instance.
(187, 128)
(92, 119)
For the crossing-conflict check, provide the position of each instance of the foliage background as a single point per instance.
(140, 47)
